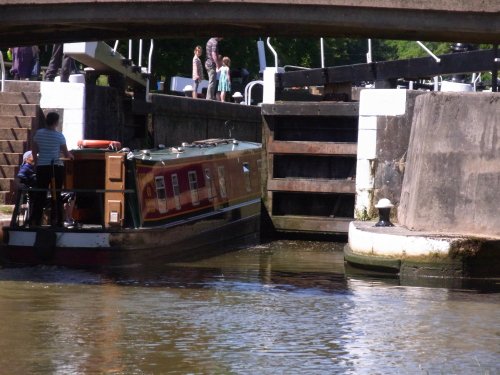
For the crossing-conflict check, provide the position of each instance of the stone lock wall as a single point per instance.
(179, 119)
(385, 118)
(452, 176)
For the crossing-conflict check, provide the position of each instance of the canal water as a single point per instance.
(286, 307)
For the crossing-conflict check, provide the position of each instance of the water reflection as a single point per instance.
(283, 307)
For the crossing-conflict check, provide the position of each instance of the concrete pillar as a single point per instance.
(69, 99)
(384, 130)
(269, 85)
(453, 171)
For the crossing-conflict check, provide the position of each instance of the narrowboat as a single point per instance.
(143, 207)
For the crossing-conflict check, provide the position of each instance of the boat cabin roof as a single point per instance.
(187, 150)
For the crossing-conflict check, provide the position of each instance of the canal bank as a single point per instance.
(409, 253)
(444, 186)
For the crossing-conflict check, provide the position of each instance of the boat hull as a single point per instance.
(197, 237)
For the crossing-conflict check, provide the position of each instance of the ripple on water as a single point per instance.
(282, 307)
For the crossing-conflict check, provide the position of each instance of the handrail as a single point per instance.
(438, 60)
(150, 60)
(296, 67)
(248, 90)
(322, 52)
(22, 192)
(369, 53)
(274, 52)
(150, 55)
(139, 58)
(476, 79)
(96, 191)
(2, 63)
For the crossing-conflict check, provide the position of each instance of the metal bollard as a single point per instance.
(384, 206)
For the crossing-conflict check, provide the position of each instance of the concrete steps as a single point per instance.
(22, 86)
(7, 193)
(12, 121)
(6, 184)
(8, 171)
(20, 134)
(7, 158)
(20, 97)
(19, 109)
(13, 146)
(19, 114)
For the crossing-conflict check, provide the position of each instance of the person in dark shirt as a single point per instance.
(25, 179)
(23, 61)
(211, 65)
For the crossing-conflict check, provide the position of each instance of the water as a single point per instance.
(280, 308)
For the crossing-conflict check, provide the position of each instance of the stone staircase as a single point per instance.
(19, 117)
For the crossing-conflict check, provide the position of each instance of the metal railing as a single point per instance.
(273, 52)
(21, 215)
(2, 63)
(438, 60)
(248, 90)
(139, 59)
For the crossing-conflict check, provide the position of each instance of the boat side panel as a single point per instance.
(141, 247)
(64, 239)
(183, 230)
(154, 180)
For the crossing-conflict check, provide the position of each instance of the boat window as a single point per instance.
(161, 194)
(246, 176)
(193, 186)
(208, 184)
(222, 181)
(177, 191)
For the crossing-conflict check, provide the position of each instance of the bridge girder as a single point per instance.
(46, 21)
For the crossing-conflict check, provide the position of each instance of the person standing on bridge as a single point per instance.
(58, 60)
(23, 61)
(197, 70)
(212, 64)
(225, 78)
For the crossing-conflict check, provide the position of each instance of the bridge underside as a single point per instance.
(46, 21)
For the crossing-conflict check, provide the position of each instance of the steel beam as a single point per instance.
(47, 21)
(412, 69)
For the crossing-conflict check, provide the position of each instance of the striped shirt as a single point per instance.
(49, 144)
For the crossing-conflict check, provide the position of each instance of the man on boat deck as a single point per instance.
(48, 144)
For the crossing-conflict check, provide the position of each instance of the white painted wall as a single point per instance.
(177, 84)
(397, 243)
(71, 98)
(269, 95)
(373, 103)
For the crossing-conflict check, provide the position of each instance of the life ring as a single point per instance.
(99, 143)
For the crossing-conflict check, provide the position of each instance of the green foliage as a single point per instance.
(174, 56)
(404, 49)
